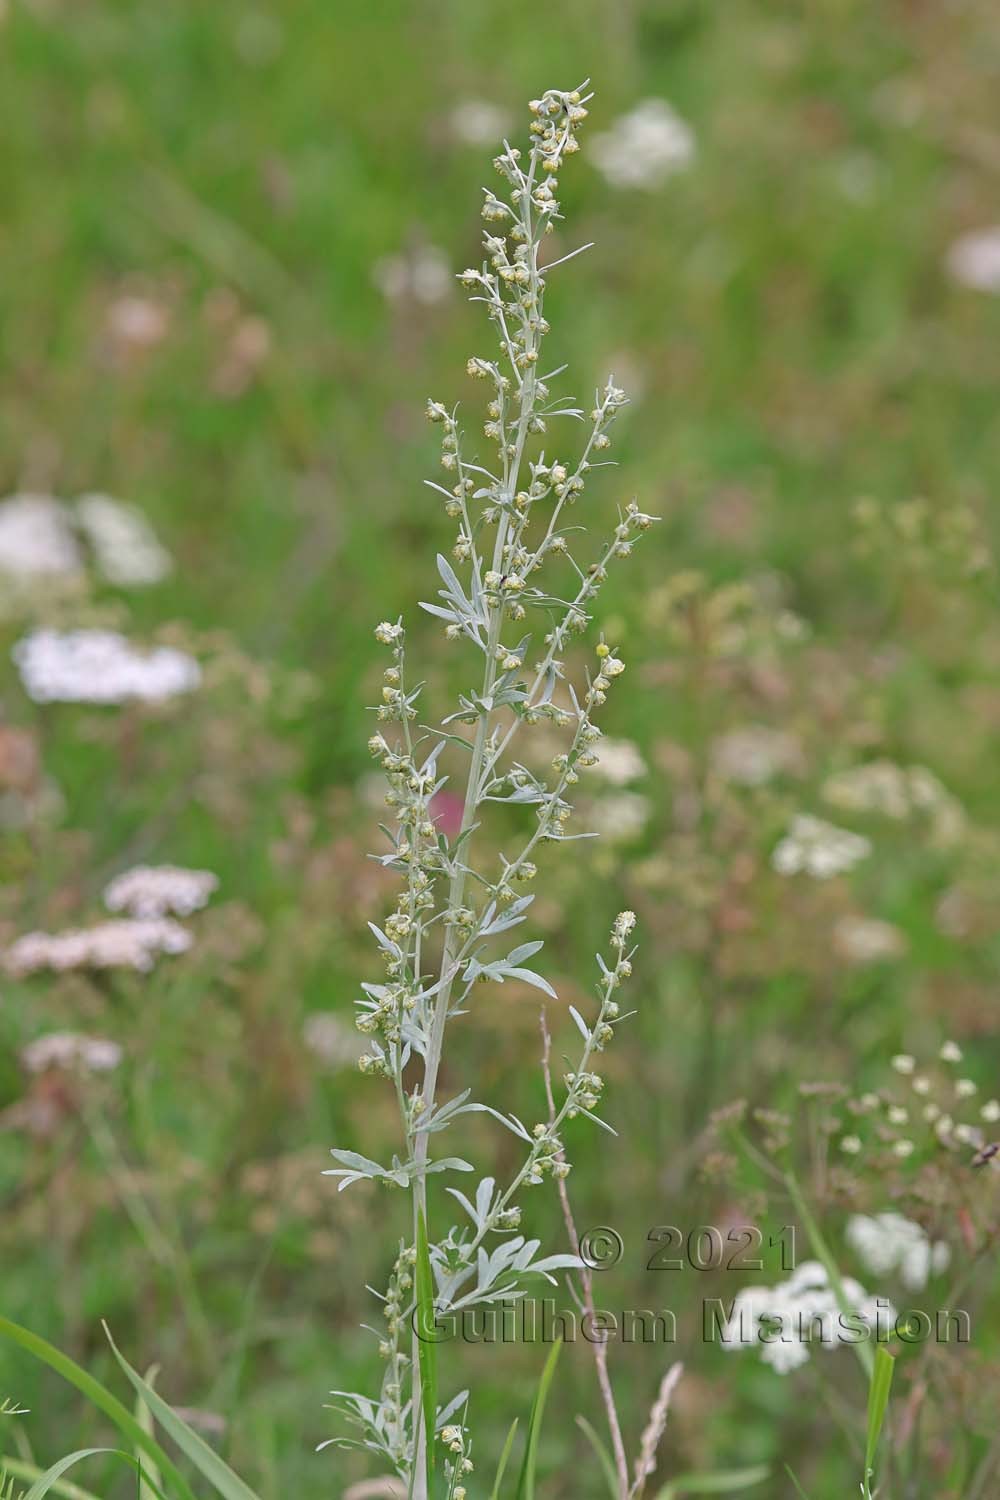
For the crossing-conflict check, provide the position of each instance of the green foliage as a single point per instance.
(783, 314)
(526, 1478)
(878, 1402)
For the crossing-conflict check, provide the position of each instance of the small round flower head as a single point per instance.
(990, 1111)
(950, 1052)
(903, 1148)
(851, 1144)
(904, 1063)
(388, 635)
(623, 928)
(965, 1088)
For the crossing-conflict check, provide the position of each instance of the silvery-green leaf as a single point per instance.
(525, 950)
(509, 918)
(528, 976)
(581, 1023)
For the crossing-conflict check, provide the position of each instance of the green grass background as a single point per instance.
(799, 346)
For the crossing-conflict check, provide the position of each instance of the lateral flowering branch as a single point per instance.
(515, 560)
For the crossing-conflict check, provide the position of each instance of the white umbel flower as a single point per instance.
(100, 666)
(644, 147)
(124, 944)
(478, 122)
(974, 259)
(330, 1041)
(753, 754)
(125, 547)
(425, 275)
(866, 940)
(887, 1243)
(814, 847)
(786, 1321)
(70, 1049)
(619, 761)
(160, 891)
(36, 539)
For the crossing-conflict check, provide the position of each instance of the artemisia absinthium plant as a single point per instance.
(447, 934)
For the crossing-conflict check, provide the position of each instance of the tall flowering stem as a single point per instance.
(444, 936)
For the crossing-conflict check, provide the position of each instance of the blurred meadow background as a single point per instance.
(227, 261)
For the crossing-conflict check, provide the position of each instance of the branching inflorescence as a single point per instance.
(445, 935)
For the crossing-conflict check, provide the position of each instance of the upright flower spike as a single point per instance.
(521, 589)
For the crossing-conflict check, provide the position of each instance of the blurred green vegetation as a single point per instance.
(796, 345)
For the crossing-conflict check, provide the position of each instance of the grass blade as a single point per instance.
(19, 1468)
(798, 1488)
(426, 1346)
(502, 1465)
(724, 1482)
(120, 1415)
(526, 1481)
(144, 1417)
(220, 1476)
(602, 1455)
(822, 1252)
(49, 1480)
(878, 1400)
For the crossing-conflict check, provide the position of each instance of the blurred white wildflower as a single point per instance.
(621, 817)
(125, 547)
(974, 259)
(423, 275)
(753, 754)
(68, 1049)
(137, 322)
(619, 761)
(36, 539)
(886, 1243)
(125, 944)
(816, 848)
(478, 122)
(159, 890)
(644, 147)
(903, 1063)
(866, 940)
(329, 1040)
(785, 1321)
(950, 1052)
(899, 792)
(100, 666)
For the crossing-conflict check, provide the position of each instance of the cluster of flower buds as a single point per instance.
(546, 1156)
(558, 116)
(505, 1219)
(396, 705)
(585, 1091)
(396, 1299)
(455, 1440)
(634, 520)
(611, 667)
(623, 928)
